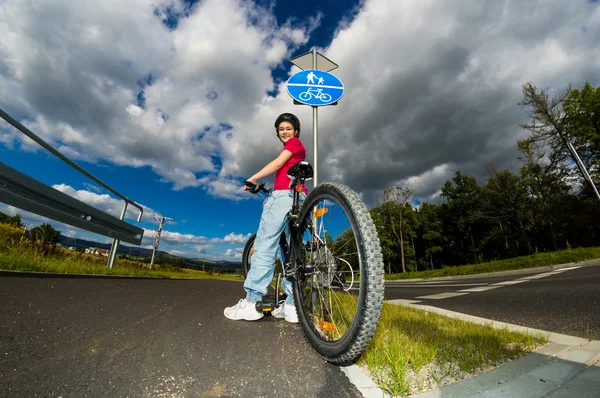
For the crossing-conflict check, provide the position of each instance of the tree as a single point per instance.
(389, 245)
(569, 118)
(395, 199)
(45, 234)
(15, 220)
(544, 181)
(547, 119)
(431, 232)
(582, 114)
(505, 201)
(461, 215)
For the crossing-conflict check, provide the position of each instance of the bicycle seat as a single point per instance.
(301, 170)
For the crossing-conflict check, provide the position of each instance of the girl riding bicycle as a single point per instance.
(272, 223)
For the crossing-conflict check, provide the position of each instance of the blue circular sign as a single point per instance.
(315, 87)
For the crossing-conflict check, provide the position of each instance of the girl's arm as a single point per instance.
(272, 167)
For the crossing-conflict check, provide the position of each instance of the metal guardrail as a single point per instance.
(24, 192)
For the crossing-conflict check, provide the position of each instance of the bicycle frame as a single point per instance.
(289, 269)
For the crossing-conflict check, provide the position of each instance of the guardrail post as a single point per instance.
(115, 245)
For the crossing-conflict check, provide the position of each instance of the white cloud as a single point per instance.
(168, 237)
(234, 238)
(106, 203)
(431, 86)
(235, 253)
(197, 79)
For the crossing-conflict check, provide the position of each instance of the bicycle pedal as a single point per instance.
(265, 306)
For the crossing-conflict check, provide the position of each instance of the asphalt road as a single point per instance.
(566, 301)
(94, 337)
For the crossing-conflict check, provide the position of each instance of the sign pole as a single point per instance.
(314, 86)
(315, 129)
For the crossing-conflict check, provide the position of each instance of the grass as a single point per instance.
(535, 260)
(17, 254)
(414, 350)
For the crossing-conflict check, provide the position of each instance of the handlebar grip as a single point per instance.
(254, 189)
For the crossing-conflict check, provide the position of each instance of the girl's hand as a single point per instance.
(247, 188)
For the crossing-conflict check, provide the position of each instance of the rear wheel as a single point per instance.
(247, 264)
(247, 255)
(338, 288)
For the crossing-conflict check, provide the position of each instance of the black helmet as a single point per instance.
(287, 117)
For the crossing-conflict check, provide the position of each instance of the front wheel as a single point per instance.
(338, 288)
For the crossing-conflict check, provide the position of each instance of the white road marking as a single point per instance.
(538, 276)
(431, 284)
(440, 296)
(454, 285)
(480, 289)
(505, 283)
(440, 283)
(403, 301)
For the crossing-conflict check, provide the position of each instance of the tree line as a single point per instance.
(546, 205)
(44, 234)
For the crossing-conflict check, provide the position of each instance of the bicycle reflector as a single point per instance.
(326, 326)
(320, 212)
(299, 188)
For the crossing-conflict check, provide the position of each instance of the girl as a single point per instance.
(272, 223)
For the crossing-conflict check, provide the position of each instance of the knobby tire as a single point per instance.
(358, 335)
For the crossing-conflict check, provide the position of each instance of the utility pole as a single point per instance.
(161, 222)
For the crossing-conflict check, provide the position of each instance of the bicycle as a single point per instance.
(308, 94)
(333, 258)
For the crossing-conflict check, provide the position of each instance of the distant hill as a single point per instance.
(131, 250)
(142, 252)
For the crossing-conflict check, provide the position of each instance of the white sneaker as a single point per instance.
(243, 310)
(286, 311)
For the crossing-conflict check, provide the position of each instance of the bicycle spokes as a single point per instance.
(333, 261)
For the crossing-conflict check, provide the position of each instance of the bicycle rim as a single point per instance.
(339, 291)
(247, 255)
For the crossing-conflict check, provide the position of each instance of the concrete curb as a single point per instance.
(362, 381)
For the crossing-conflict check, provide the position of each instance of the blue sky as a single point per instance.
(172, 102)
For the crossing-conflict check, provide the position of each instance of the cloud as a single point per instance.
(235, 253)
(234, 238)
(153, 96)
(106, 203)
(431, 86)
(173, 238)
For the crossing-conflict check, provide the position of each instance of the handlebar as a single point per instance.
(254, 189)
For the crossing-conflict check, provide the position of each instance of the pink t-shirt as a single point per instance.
(282, 181)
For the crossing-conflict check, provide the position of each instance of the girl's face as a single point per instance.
(286, 131)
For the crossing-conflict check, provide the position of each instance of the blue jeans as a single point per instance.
(272, 223)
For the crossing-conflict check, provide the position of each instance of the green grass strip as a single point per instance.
(413, 350)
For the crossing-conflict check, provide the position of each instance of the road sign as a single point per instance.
(315, 87)
(314, 60)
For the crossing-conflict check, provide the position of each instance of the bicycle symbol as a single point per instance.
(316, 93)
